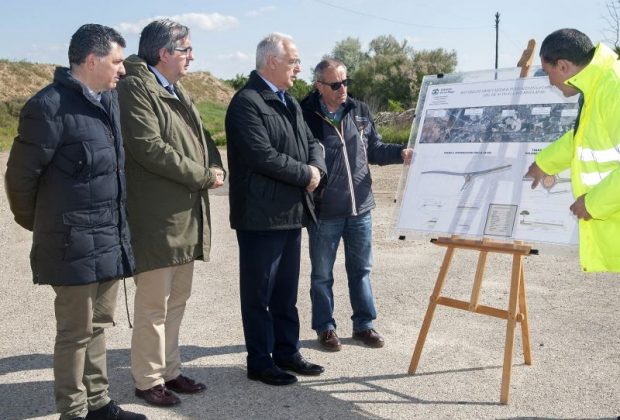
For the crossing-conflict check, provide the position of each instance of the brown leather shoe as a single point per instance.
(329, 340)
(184, 385)
(369, 337)
(158, 395)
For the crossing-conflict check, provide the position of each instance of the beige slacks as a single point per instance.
(80, 371)
(161, 296)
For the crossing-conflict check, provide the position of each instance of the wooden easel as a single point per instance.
(517, 303)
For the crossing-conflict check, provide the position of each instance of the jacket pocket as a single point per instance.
(88, 228)
(103, 158)
(74, 160)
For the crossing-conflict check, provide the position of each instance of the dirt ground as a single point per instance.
(574, 328)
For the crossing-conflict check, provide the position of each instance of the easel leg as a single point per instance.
(525, 328)
(517, 271)
(426, 324)
(475, 291)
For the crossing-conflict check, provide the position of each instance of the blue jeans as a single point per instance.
(356, 233)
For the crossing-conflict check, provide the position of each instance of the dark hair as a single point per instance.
(327, 63)
(161, 33)
(92, 38)
(567, 44)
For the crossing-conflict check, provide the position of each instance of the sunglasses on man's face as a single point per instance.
(336, 85)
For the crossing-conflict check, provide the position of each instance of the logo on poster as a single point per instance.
(442, 91)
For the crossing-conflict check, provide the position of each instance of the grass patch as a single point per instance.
(9, 118)
(213, 115)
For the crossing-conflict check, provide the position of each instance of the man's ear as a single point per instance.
(89, 61)
(566, 67)
(272, 61)
(164, 55)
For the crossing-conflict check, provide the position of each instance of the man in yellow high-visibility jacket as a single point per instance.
(592, 148)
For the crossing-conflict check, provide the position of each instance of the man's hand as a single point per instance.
(314, 181)
(219, 178)
(406, 154)
(536, 174)
(579, 208)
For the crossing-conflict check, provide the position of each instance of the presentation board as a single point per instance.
(474, 137)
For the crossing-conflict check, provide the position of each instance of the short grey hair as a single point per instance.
(327, 63)
(272, 44)
(161, 33)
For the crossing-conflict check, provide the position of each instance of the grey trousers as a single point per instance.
(80, 371)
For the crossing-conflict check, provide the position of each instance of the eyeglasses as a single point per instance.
(336, 85)
(185, 51)
(294, 63)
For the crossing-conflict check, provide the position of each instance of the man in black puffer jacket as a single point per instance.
(65, 183)
(346, 129)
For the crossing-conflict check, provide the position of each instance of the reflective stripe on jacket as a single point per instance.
(593, 155)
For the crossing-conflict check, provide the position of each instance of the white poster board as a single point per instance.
(474, 139)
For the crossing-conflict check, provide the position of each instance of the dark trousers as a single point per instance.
(269, 276)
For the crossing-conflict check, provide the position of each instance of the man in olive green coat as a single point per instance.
(171, 163)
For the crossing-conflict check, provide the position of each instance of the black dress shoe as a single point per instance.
(272, 376)
(111, 411)
(158, 395)
(301, 366)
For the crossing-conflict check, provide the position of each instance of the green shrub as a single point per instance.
(394, 134)
(395, 106)
(237, 82)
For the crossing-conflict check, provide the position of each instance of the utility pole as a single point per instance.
(496, 38)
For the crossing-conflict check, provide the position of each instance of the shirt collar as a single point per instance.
(96, 95)
(335, 116)
(271, 85)
(162, 79)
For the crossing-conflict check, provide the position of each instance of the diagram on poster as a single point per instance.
(474, 141)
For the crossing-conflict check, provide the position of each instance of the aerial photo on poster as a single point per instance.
(474, 143)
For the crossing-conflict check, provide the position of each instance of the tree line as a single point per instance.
(387, 75)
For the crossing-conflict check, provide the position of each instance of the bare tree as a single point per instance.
(613, 23)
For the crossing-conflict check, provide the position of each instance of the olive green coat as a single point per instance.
(169, 156)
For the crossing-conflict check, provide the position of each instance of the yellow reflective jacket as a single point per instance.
(593, 155)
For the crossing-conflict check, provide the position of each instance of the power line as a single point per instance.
(400, 22)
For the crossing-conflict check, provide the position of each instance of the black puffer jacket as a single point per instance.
(348, 151)
(65, 182)
(269, 150)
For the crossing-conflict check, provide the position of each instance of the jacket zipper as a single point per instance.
(346, 162)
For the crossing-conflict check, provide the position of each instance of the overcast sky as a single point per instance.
(225, 33)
